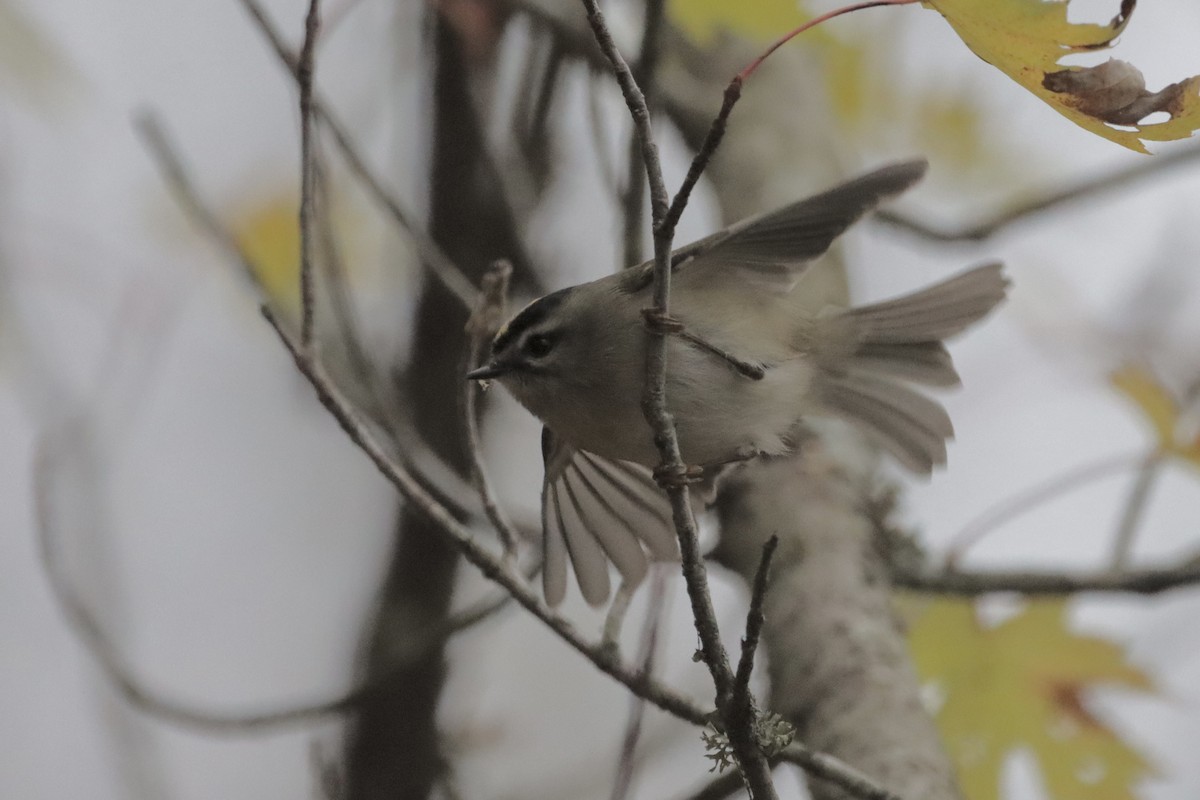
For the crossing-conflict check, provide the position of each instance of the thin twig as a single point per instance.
(647, 651)
(754, 623)
(812, 23)
(654, 402)
(485, 320)
(716, 132)
(305, 68)
(360, 366)
(733, 93)
(635, 182)
(1135, 506)
(1146, 580)
(443, 269)
(1083, 190)
(417, 457)
(828, 768)
(158, 144)
(749, 756)
(1029, 499)
(816, 764)
(604, 165)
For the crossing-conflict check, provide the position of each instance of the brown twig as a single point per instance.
(443, 269)
(716, 132)
(816, 764)
(305, 67)
(749, 756)
(733, 92)
(812, 23)
(1134, 509)
(647, 652)
(484, 322)
(417, 457)
(1025, 501)
(635, 182)
(1146, 580)
(1082, 190)
(361, 368)
(176, 177)
(820, 765)
(754, 623)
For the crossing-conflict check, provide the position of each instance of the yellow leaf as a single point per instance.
(1026, 39)
(1160, 408)
(759, 20)
(269, 234)
(1023, 684)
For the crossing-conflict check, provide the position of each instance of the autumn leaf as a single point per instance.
(1026, 39)
(1161, 410)
(269, 234)
(759, 21)
(1024, 684)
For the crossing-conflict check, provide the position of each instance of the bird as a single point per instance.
(746, 366)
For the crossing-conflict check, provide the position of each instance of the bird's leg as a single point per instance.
(615, 617)
(665, 324)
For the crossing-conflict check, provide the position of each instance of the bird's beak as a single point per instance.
(489, 370)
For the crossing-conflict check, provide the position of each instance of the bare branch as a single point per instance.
(831, 769)
(429, 468)
(158, 144)
(1026, 500)
(716, 132)
(654, 405)
(1147, 580)
(305, 68)
(733, 92)
(647, 652)
(654, 401)
(1097, 187)
(1135, 506)
(360, 366)
(816, 764)
(754, 623)
(439, 264)
(484, 322)
(635, 182)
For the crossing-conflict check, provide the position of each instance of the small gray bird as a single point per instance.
(746, 367)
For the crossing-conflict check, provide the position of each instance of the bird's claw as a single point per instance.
(661, 322)
(675, 476)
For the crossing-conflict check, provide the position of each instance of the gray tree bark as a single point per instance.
(838, 664)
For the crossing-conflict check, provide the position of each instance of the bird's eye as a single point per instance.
(539, 345)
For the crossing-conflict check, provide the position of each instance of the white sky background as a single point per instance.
(245, 536)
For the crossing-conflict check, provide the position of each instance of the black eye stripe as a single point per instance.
(531, 315)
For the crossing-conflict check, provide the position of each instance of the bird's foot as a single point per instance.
(675, 476)
(660, 322)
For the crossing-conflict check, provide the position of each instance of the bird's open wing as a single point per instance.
(772, 250)
(595, 510)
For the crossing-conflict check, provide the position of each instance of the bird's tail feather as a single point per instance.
(886, 346)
